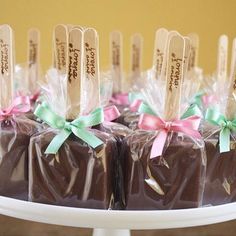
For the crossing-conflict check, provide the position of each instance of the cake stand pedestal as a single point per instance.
(116, 223)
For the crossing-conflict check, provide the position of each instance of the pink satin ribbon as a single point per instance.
(111, 113)
(188, 126)
(120, 99)
(134, 106)
(35, 96)
(208, 100)
(20, 104)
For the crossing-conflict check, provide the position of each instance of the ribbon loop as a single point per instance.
(77, 127)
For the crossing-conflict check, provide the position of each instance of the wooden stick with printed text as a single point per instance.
(159, 51)
(222, 58)
(174, 77)
(91, 67)
(116, 58)
(193, 58)
(136, 55)
(164, 64)
(6, 65)
(33, 58)
(60, 48)
(75, 73)
(187, 52)
(230, 110)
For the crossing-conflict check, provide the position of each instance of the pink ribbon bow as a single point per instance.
(20, 104)
(188, 126)
(111, 113)
(120, 99)
(134, 106)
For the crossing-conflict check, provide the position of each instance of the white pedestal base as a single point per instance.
(111, 232)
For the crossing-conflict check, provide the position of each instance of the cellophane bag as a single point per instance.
(119, 132)
(15, 133)
(130, 115)
(220, 185)
(173, 180)
(78, 175)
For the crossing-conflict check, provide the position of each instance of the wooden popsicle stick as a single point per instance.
(233, 56)
(222, 58)
(230, 110)
(6, 65)
(116, 58)
(159, 50)
(74, 76)
(136, 55)
(193, 59)
(174, 77)
(91, 65)
(187, 51)
(33, 63)
(164, 66)
(60, 46)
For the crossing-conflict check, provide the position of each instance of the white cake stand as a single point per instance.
(116, 223)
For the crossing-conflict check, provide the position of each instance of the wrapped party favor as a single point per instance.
(165, 160)
(15, 128)
(70, 163)
(220, 140)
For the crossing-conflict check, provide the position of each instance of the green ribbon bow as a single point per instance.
(227, 126)
(77, 127)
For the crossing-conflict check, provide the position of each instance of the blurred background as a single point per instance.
(208, 18)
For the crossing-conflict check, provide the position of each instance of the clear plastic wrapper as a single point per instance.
(120, 132)
(15, 133)
(174, 180)
(77, 176)
(220, 186)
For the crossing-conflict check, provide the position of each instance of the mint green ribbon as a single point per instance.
(77, 127)
(135, 96)
(197, 99)
(193, 110)
(144, 108)
(227, 126)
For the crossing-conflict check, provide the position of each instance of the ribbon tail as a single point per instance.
(225, 140)
(158, 144)
(87, 137)
(57, 142)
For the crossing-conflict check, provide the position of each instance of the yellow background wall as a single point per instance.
(209, 18)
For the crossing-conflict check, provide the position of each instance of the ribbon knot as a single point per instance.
(227, 124)
(168, 125)
(77, 127)
(226, 127)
